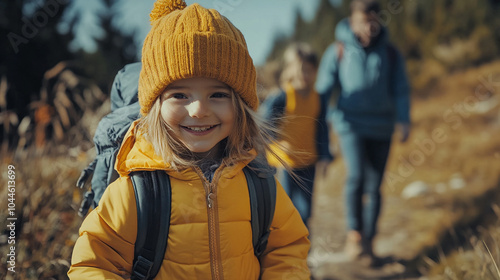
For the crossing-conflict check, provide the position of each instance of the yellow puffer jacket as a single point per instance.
(204, 242)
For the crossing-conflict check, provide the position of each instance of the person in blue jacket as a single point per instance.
(374, 98)
(302, 142)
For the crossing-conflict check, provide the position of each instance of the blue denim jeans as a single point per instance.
(365, 160)
(300, 190)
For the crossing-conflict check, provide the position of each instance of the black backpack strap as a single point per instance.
(153, 197)
(262, 192)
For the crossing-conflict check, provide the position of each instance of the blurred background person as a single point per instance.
(296, 110)
(374, 96)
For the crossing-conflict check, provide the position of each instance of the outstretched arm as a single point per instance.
(322, 134)
(325, 83)
(401, 89)
(327, 72)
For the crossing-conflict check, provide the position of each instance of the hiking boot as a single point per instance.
(353, 246)
(366, 260)
(367, 257)
(367, 246)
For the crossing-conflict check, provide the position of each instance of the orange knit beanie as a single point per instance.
(192, 41)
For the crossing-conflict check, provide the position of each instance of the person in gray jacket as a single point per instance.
(374, 99)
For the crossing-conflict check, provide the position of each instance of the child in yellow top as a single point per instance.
(198, 101)
(296, 109)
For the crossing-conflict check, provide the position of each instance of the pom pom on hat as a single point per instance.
(165, 7)
(192, 41)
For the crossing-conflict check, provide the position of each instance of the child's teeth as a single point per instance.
(200, 128)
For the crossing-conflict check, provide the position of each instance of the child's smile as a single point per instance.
(199, 111)
(199, 130)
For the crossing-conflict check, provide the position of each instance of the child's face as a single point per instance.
(199, 112)
(304, 76)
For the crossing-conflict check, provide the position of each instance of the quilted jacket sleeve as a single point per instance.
(105, 248)
(286, 252)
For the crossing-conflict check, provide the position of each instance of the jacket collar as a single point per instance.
(137, 154)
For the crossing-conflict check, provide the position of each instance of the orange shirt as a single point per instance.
(299, 129)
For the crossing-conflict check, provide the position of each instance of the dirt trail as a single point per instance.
(408, 230)
(327, 227)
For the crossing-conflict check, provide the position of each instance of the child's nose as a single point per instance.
(198, 109)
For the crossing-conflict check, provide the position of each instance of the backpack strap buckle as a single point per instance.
(142, 268)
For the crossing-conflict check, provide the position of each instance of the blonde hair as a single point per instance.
(253, 133)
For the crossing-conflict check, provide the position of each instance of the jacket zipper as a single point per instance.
(213, 222)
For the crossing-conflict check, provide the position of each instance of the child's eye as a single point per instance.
(220, 95)
(178, 95)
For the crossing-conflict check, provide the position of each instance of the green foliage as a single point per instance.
(115, 49)
(319, 32)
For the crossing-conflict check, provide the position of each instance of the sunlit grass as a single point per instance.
(47, 224)
(478, 258)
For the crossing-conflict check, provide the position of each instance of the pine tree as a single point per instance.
(323, 25)
(115, 49)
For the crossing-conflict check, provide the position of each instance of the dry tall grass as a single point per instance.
(478, 258)
(47, 224)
